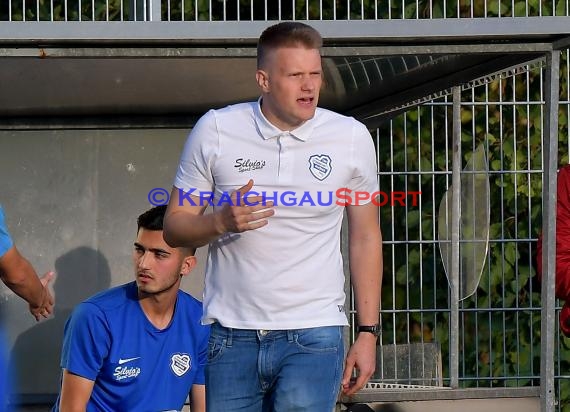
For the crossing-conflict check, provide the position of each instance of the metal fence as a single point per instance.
(244, 10)
(415, 155)
(499, 324)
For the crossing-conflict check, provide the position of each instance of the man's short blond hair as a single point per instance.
(287, 34)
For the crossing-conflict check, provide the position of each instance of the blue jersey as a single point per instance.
(135, 366)
(5, 239)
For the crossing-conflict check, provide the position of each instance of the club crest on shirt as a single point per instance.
(320, 166)
(180, 363)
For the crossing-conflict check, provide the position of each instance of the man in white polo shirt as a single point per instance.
(274, 290)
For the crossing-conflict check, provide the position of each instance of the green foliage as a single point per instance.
(67, 10)
(499, 346)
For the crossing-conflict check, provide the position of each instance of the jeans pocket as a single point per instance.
(325, 339)
(216, 345)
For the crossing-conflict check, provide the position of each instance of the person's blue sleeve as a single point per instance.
(5, 239)
(86, 341)
(203, 356)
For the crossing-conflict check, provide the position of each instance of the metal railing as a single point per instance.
(250, 10)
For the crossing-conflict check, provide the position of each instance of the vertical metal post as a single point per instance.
(141, 10)
(550, 162)
(133, 14)
(154, 10)
(455, 228)
(348, 333)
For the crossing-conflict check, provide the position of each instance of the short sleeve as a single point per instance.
(364, 177)
(86, 341)
(198, 156)
(5, 239)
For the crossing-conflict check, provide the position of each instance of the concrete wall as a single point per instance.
(71, 199)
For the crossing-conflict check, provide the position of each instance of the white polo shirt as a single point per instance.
(289, 273)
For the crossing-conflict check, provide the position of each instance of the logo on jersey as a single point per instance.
(126, 372)
(121, 361)
(248, 165)
(320, 166)
(180, 363)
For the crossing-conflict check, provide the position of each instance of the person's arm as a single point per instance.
(186, 225)
(85, 349)
(198, 398)
(19, 275)
(75, 392)
(365, 253)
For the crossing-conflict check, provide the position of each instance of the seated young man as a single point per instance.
(139, 346)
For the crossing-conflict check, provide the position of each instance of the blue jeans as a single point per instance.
(274, 371)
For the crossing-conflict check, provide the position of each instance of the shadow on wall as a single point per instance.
(35, 355)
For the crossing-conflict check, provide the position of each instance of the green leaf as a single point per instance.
(493, 7)
(483, 301)
(425, 165)
(496, 164)
(508, 148)
(520, 9)
(402, 276)
(496, 276)
(525, 273)
(511, 254)
(413, 218)
(414, 258)
(427, 229)
(410, 11)
(509, 300)
(437, 11)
